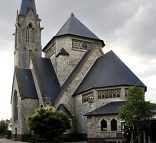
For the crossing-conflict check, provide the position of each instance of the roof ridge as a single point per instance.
(74, 72)
(48, 81)
(33, 58)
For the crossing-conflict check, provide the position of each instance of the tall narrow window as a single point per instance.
(103, 125)
(113, 125)
(30, 34)
(15, 104)
(15, 133)
(30, 53)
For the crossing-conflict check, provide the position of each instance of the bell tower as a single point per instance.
(27, 35)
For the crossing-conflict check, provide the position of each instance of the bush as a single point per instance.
(48, 123)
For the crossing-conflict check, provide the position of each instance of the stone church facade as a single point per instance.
(74, 75)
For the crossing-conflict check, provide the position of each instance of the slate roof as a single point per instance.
(108, 109)
(63, 109)
(62, 52)
(26, 83)
(26, 5)
(74, 27)
(47, 78)
(108, 71)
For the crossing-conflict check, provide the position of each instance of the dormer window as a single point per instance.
(15, 106)
(30, 34)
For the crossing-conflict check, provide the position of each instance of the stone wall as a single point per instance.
(15, 124)
(66, 96)
(24, 49)
(25, 107)
(95, 131)
(81, 108)
(63, 62)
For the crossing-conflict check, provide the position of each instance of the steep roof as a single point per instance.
(47, 78)
(26, 5)
(63, 109)
(74, 27)
(108, 109)
(108, 71)
(26, 83)
(62, 52)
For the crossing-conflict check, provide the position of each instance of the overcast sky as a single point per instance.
(128, 27)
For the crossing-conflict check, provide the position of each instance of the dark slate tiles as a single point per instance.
(26, 83)
(26, 5)
(108, 109)
(47, 78)
(74, 27)
(108, 71)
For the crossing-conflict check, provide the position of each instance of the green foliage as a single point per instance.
(136, 111)
(3, 127)
(48, 123)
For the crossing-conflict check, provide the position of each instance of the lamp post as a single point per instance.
(123, 129)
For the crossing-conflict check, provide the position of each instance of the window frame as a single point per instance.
(103, 124)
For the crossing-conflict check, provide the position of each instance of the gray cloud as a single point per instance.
(127, 26)
(125, 23)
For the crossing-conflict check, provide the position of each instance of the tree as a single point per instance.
(3, 127)
(48, 123)
(136, 112)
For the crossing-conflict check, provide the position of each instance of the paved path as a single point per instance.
(10, 141)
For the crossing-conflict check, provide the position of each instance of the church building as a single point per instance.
(75, 76)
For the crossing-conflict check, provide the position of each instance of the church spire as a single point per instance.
(26, 5)
(27, 35)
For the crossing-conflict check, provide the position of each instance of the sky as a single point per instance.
(126, 26)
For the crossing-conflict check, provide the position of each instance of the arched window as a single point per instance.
(103, 125)
(113, 125)
(15, 106)
(99, 97)
(30, 34)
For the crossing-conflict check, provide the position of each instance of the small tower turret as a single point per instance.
(27, 35)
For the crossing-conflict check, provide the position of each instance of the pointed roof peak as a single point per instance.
(75, 27)
(72, 14)
(62, 52)
(26, 5)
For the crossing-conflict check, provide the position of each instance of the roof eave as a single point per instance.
(75, 94)
(23, 97)
(99, 40)
(108, 114)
